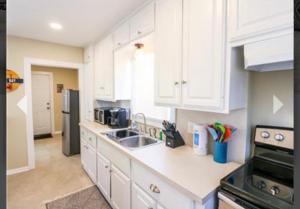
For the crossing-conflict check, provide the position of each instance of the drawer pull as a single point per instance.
(154, 189)
(106, 166)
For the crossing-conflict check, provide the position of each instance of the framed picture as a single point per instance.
(59, 88)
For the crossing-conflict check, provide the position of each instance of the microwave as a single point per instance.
(102, 114)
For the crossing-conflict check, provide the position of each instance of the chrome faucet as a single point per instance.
(133, 122)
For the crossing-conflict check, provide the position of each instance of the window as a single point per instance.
(143, 85)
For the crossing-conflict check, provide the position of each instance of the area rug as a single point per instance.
(89, 198)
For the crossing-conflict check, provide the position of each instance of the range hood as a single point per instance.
(270, 55)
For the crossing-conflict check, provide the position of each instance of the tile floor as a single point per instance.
(55, 175)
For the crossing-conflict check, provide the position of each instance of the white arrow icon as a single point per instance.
(277, 104)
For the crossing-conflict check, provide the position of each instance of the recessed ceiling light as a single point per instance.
(55, 26)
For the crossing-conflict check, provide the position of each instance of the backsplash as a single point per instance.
(238, 118)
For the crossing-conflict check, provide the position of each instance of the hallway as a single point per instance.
(55, 175)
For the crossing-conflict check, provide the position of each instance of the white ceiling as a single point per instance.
(83, 21)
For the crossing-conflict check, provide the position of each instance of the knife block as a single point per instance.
(173, 139)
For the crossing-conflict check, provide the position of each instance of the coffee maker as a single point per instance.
(119, 118)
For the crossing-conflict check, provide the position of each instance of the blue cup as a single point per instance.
(220, 152)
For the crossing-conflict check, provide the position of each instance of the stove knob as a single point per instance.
(279, 137)
(265, 134)
(274, 190)
(261, 185)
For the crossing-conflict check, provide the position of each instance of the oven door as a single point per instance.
(229, 201)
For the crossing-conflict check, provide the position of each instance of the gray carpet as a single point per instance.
(89, 198)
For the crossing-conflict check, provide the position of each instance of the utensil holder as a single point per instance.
(220, 152)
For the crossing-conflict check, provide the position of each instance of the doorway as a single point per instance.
(42, 104)
(29, 66)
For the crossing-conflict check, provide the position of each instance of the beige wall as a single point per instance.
(17, 50)
(67, 77)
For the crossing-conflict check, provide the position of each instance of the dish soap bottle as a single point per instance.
(200, 139)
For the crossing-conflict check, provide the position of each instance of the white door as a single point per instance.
(203, 53)
(248, 18)
(168, 51)
(120, 189)
(141, 200)
(83, 154)
(104, 69)
(88, 89)
(41, 102)
(91, 163)
(103, 175)
(142, 23)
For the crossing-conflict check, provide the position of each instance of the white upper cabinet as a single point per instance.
(104, 70)
(142, 23)
(122, 35)
(123, 73)
(168, 51)
(88, 54)
(88, 86)
(203, 54)
(249, 18)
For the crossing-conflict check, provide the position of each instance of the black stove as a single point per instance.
(266, 181)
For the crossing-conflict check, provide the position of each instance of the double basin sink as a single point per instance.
(130, 138)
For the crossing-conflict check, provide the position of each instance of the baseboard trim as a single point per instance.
(56, 132)
(17, 170)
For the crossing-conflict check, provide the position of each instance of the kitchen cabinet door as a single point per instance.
(88, 91)
(249, 18)
(83, 154)
(142, 23)
(122, 35)
(122, 73)
(91, 163)
(168, 51)
(141, 200)
(104, 70)
(203, 54)
(120, 189)
(103, 175)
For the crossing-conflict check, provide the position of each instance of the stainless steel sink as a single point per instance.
(120, 134)
(137, 141)
(130, 138)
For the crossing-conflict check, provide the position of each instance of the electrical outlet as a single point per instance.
(190, 127)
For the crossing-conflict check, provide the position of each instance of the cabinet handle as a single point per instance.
(154, 188)
(183, 82)
(139, 32)
(176, 83)
(119, 44)
(106, 166)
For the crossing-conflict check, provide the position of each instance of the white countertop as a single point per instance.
(196, 176)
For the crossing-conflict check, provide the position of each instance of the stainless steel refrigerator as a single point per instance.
(70, 132)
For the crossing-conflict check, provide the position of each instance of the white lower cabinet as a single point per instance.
(103, 175)
(127, 184)
(140, 199)
(120, 189)
(159, 190)
(91, 162)
(88, 155)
